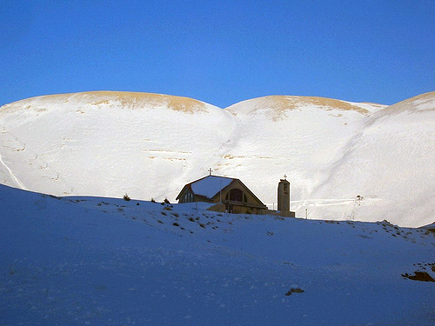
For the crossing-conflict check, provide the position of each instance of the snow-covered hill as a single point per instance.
(109, 143)
(391, 164)
(102, 261)
(344, 160)
(296, 136)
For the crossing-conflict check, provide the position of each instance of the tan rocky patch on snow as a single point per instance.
(128, 100)
(277, 105)
(296, 102)
(134, 100)
(421, 103)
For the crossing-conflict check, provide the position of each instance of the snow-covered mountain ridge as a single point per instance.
(150, 145)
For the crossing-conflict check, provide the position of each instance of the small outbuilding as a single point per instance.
(231, 193)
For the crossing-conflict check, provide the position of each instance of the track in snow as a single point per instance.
(19, 183)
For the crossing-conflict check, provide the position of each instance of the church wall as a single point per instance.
(238, 185)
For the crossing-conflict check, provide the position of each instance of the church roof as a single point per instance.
(210, 185)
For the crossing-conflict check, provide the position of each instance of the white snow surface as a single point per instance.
(210, 185)
(103, 261)
(345, 161)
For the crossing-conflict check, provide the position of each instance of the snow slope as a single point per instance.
(292, 135)
(102, 261)
(150, 146)
(108, 143)
(391, 164)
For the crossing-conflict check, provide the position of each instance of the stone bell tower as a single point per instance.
(284, 195)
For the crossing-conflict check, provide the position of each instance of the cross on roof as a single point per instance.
(285, 176)
(210, 170)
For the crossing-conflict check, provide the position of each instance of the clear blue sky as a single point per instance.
(220, 52)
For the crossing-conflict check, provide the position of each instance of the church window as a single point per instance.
(236, 195)
(188, 198)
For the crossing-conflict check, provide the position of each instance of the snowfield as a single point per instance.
(73, 252)
(345, 161)
(102, 261)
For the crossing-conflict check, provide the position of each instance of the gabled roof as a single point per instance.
(208, 186)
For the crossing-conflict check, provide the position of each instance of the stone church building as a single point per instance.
(233, 196)
(230, 192)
